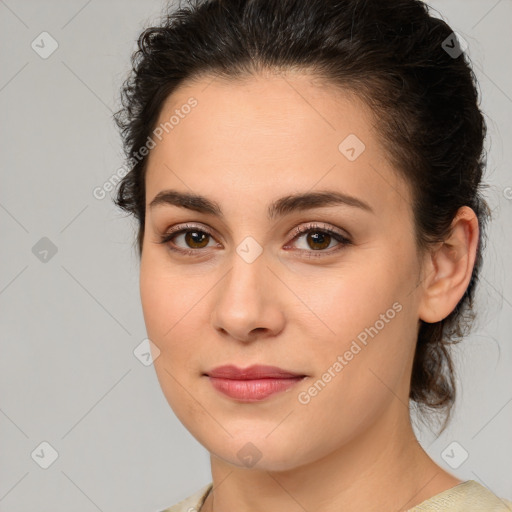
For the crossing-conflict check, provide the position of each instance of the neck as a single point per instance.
(382, 468)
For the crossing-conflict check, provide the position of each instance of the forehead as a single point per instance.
(270, 135)
(296, 106)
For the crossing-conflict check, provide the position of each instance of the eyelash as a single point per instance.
(297, 233)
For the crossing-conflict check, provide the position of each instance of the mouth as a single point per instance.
(252, 384)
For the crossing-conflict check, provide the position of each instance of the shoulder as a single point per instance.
(192, 503)
(469, 496)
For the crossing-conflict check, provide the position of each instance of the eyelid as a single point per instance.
(342, 238)
(301, 229)
(166, 237)
(186, 227)
(320, 226)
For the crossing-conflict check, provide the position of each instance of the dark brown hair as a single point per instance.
(403, 62)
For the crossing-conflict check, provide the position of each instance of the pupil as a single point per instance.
(191, 237)
(320, 238)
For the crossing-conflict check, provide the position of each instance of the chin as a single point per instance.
(257, 453)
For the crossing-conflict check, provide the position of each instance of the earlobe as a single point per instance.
(450, 268)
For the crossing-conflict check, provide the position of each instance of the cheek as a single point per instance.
(359, 374)
(368, 322)
(168, 326)
(174, 315)
(164, 300)
(345, 301)
(156, 302)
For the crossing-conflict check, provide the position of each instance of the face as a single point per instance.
(237, 284)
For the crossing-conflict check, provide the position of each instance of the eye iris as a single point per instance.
(316, 237)
(189, 238)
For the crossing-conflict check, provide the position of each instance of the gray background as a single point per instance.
(70, 324)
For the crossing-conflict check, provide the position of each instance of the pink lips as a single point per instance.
(252, 384)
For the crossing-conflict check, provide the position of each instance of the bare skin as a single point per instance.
(349, 446)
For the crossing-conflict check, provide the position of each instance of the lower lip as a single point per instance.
(252, 390)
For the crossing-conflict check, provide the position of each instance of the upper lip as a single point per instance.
(252, 372)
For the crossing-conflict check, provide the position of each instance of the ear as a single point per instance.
(449, 267)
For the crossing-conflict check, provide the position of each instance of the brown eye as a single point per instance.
(189, 240)
(318, 240)
(196, 239)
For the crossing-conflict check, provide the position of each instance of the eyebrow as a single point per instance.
(278, 208)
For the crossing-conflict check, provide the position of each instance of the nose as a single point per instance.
(247, 305)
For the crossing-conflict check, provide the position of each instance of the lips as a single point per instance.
(252, 384)
(252, 373)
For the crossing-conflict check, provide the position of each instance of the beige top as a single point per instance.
(467, 496)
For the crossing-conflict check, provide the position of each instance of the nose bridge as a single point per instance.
(246, 301)
(248, 272)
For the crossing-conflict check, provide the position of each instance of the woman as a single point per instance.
(306, 177)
